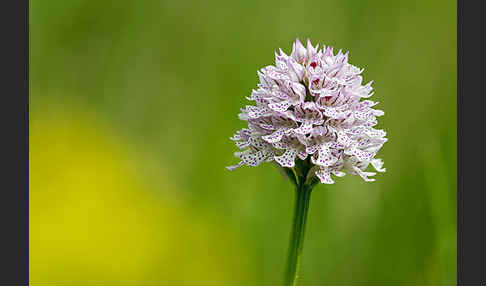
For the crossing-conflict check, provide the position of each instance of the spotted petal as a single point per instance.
(253, 159)
(287, 159)
(324, 176)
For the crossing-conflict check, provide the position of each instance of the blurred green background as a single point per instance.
(132, 105)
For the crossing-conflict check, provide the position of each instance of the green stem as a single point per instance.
(302, 199)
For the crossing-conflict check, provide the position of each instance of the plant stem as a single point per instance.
(302, 199)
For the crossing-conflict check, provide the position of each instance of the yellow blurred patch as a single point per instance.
(93, 222)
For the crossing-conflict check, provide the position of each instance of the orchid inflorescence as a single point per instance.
(309, 109)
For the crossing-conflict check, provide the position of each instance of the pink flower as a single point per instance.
(309, 107)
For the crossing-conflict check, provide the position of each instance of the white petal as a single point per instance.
(274, 137)
(280, 145)
(362, 155)
(257, 142)
(378, 165)
(242, 144)
(305, 128)
(325, 157)
(287, 159)
(253, 159)
(281, 106)
(301, 154)
(343, 139)
(378, 112)
(364, 175)
(232, 168)
(324, 176)
(338, 173)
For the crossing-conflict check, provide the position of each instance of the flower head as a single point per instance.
(309, 107)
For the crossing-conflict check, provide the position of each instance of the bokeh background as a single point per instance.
(133, 102)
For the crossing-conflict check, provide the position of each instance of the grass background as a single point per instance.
(132, 105)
